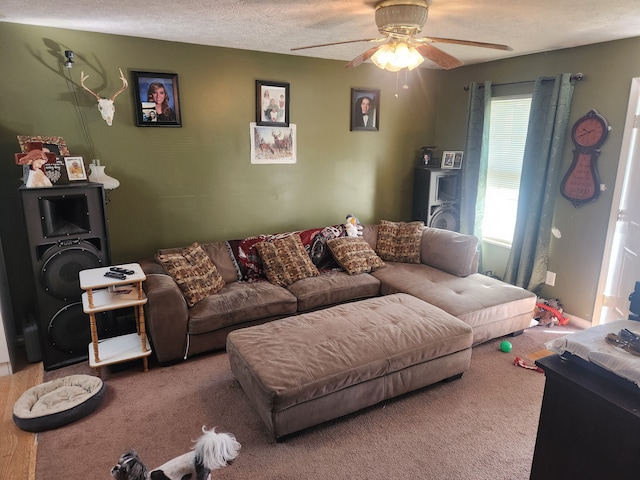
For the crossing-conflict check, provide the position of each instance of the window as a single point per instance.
(507, 137)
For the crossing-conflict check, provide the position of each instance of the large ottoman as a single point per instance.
(306, 369)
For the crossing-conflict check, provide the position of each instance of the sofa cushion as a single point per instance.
(240, 302)
(285, 260)
(193, 271)
(333, 287)
(452, 252)
(399, 241)
(354, 255)
(221, 258)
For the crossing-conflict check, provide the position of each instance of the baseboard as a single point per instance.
(577, 321)
(5, 369)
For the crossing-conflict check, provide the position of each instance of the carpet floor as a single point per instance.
(482, 426)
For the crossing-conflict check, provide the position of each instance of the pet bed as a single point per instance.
(58, 402)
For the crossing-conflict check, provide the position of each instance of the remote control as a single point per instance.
(119, 276)
(122, 270)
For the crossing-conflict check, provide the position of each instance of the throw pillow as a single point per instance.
(285, 260)
(354, 255)
(399, 241)
(192, 269)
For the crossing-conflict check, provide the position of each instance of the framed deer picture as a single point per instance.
(157, 99)
(273, 144)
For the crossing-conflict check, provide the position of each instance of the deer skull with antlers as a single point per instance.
(105, 105)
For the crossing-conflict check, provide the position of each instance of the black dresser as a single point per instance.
(589, 423)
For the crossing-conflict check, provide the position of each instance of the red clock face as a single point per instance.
(588, 131)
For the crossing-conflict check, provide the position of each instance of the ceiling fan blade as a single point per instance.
(363, 57)
(470, 43)
(436, 55)
(340, 43)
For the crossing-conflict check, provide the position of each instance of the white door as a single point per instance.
(621, 265)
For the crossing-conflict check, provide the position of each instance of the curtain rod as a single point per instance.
(576, 77)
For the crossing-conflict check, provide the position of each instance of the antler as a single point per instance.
(125, 84)
(83, 77)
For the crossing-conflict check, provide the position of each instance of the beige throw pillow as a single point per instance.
(285, 260)
(354, 255)
(192, 269)
(399, 241)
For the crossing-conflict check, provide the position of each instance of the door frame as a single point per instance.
(633, 110)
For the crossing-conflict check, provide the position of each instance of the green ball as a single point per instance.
(505, 346)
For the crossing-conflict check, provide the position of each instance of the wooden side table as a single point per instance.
(103, 294)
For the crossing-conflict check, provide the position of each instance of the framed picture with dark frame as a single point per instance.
(365, 109)
(272, 103)
(157, 99)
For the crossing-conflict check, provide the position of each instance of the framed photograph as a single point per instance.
(452, 160)
(54, 168)
(157, 99)
(427, 158)
(273, 144)
(272, 103)
(75, 168)
(365, 109)
(55, 145)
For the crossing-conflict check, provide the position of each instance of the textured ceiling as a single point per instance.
(279, 25)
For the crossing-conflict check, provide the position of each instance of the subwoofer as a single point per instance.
(446, 217)
(67, 232)
(436, 196)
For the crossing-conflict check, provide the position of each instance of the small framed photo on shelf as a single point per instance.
(157, 99)
(75, 168)
(272, 104)
(365, 109)
(452, 160)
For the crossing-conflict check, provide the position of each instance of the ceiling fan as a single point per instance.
(400, 21)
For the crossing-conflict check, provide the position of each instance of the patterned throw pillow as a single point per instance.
(354, 255)
(285, 260)
(399, 241)
(192, 269)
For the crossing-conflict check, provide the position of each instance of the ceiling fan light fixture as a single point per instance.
(395, 56)
(383, 56)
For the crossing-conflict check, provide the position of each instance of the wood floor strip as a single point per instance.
(17, 448)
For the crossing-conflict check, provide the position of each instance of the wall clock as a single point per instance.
(581, 183)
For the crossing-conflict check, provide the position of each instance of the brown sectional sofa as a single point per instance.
(446, 278)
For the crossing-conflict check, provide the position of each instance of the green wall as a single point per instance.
(196, 183)
(608, 69)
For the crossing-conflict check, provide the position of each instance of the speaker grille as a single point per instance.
(60, 271)
(445, 217)
(69, 329)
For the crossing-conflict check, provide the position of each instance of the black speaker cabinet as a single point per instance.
(436, 197)
(67, 232)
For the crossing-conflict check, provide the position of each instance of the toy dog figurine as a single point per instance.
(212, 451)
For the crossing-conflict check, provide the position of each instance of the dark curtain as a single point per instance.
(529, 256)
(474, 173)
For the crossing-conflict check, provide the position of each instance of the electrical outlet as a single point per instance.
(551, 278)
